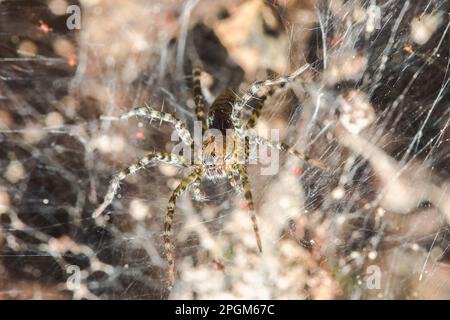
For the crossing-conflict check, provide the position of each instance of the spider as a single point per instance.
(214, 163)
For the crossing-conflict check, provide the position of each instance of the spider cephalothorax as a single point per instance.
(225, 154)
(215, 159)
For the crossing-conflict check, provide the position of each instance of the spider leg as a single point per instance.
(260, 100)
(115, 181)
(254, 90)
(150, 113)
(198, 97)
(197, 194)
(285, 147)
(249, 199)
(242, 148)
(184, 184)
(233, 177)
(258, 107)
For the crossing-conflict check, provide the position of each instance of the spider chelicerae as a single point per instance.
(215, 161)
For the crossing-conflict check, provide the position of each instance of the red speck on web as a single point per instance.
(169, 18)
(44, 27)
(409, 49)
(244, 204)
(219, 265)
(140, 134)
(72, 60)
(334, 41)
(297, 171)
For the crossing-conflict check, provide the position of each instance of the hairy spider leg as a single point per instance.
(260, 101)
(198, 97)
(249, 199)
(197, 194)
(140, 164)
(185, 184)
(152, 114)
(233, 177)
(254, 89)
(285, 147)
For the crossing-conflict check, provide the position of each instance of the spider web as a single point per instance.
(374, 106)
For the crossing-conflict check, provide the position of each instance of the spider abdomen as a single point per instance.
(219, 115)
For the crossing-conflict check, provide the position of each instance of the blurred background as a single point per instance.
(374, 106)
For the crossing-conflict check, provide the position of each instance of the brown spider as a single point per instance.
(215, 162)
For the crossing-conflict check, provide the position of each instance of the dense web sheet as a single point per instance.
(374, 106)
